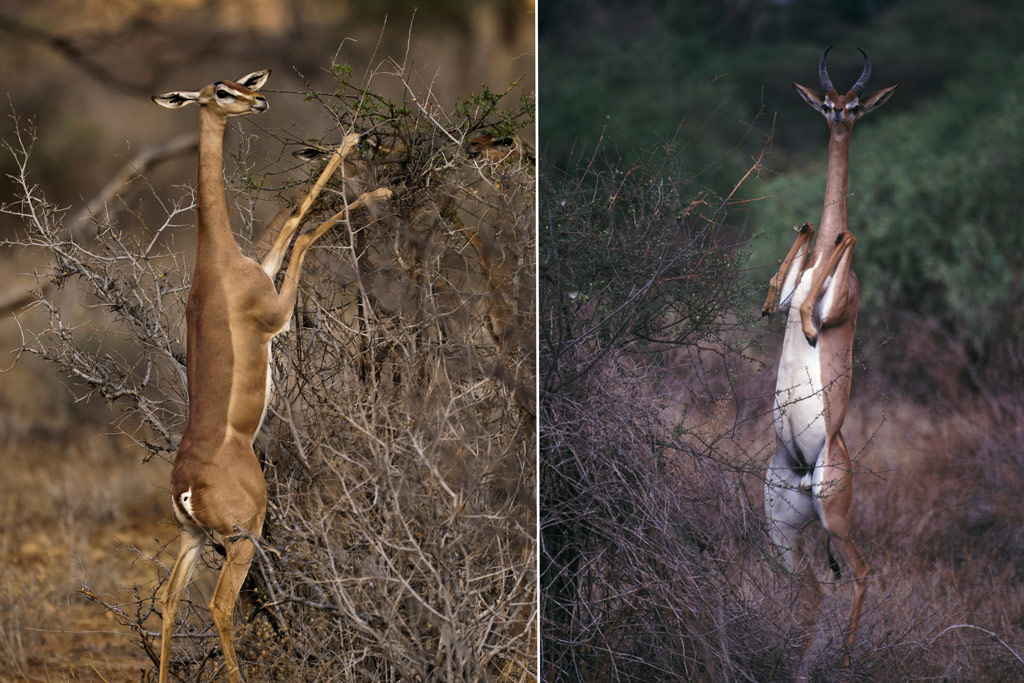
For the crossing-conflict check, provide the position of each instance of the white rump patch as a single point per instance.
(185, 501)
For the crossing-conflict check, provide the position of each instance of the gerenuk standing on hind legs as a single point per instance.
(233, 313)
(809, 477)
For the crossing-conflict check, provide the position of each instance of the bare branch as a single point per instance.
(81, 223)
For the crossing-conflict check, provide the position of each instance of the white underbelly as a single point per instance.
(269, 387)
(799, 401)
(270, 376)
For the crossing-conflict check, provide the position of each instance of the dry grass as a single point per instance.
(75, 503)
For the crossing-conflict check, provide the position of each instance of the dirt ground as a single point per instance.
(77, 509)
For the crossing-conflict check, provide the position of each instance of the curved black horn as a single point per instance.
(858, 87)
(826, 82)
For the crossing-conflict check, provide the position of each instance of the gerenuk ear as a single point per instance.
(176, 99)
(255, 80)
(876, 100)
(810, 96)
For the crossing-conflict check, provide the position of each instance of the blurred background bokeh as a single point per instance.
(658, 110)
(74, 496)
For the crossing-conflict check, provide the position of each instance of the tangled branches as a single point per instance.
(646, 534)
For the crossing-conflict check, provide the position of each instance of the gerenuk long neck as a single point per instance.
(833, 215)
(212, 224)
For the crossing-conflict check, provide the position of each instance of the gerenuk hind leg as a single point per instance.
(836, 495)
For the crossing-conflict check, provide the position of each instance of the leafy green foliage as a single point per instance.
(482, 111)
(416, 128)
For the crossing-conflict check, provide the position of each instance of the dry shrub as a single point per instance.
(654, 562)
(399, 448)
(640, 539)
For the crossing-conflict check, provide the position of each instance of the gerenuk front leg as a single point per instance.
(836, 306)
(784, 281)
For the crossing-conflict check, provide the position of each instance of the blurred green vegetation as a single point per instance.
(932, 174)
